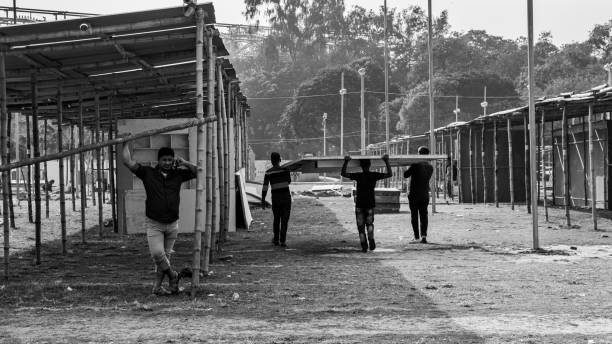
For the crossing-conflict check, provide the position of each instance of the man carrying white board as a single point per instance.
(365, 200)
(162, 184)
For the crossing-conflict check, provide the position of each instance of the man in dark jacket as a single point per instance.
(279, 179)
(364, 200)
(418, 195)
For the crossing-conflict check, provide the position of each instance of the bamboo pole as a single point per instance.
(452, 162)
(221, 155)
(566, 175)
(484, 169)
(527, 180)
(584, 163)
(459, 174)
(99, 167)
(210, 87)
(91, 169)
(18, 155)
(60, 147)
(111, 167)
(103, 168)
(444, 150)
(5, 174)
(226, 162)
(552, 161)
(495, 170)
(200, 215)
(8, 158)
(543, 160)
(72, 167)
(539, 159)
(215, 191)
(592, 170)
(29, 155)
(82, 169)
(46, 167)
(471, 149)
(510, 163)
(35, 137)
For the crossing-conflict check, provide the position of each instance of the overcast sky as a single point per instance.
(568, 20)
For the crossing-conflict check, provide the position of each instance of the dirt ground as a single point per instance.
(476, 282)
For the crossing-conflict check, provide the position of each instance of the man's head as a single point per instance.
(423, 150)
(165, 158)
(365, 164)
(275, 158)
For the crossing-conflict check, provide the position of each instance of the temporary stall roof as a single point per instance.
(144, 61)
(334, 163)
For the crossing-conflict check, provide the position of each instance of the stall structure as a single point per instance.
(145, 76)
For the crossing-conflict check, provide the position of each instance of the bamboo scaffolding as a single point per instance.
(566, 174)
(72, 167)
(526, 169)
(29, 155)
(210, 87)
(35, 137)
(200, 216)
(592, 170)
(484, 168)
(8, 158)
(495, 169)
(99, 172)
(543, 161)
(82, 170)
(471, 149)
(5, 174)
(60, 147)
(510, 163)
(46, 167)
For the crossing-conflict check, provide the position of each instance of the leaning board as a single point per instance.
(334, 163)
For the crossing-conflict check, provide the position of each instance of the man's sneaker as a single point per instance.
(364, 246)
(424, 240)
(282, 244)
(160, 291)
(415, 241)
(275, 242)
(372, 245)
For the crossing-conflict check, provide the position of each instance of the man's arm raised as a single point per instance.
(127, 158)
(343, 171)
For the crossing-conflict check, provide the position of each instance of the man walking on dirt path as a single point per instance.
(162, 184)
(279, 180)
(365, 200)
(418, 195)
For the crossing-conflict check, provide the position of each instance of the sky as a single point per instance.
(567, 20)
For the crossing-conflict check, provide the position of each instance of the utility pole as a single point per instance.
(324, 133)
(532, 126)
(457, 110)
(342, 93)
(432, 135)
(386, 85)
(362, 72)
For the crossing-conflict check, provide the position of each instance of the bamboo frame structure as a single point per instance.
(60, 146)
(209, 163)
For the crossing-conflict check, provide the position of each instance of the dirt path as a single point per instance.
(473, 284)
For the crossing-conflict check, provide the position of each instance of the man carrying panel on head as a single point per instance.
(418, 196)
(279, 180)
(162, 184)
(365, 201)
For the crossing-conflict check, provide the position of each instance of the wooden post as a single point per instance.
(527, 179)
(510, 164)
(82, 169)
(445, 166)
(226, 162)
(585, 161)
(592, 170)
(91, 169)
(36, 144)
(111, 167)
(495, 171)
(215, 187)
(543, 161)
(72, 167)
(60, 147)
(29, 155)
(45, 168)
(471, 149)
(6, 174)
(221, 155)
(484, 169)
(552, 161)
(209, 146)
(99, 167)
(452, 162)
(566, 174)
(8, 157)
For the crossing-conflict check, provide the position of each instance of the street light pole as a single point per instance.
(386, 85)
(362, 72)
(342, 93)
(324, 133)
